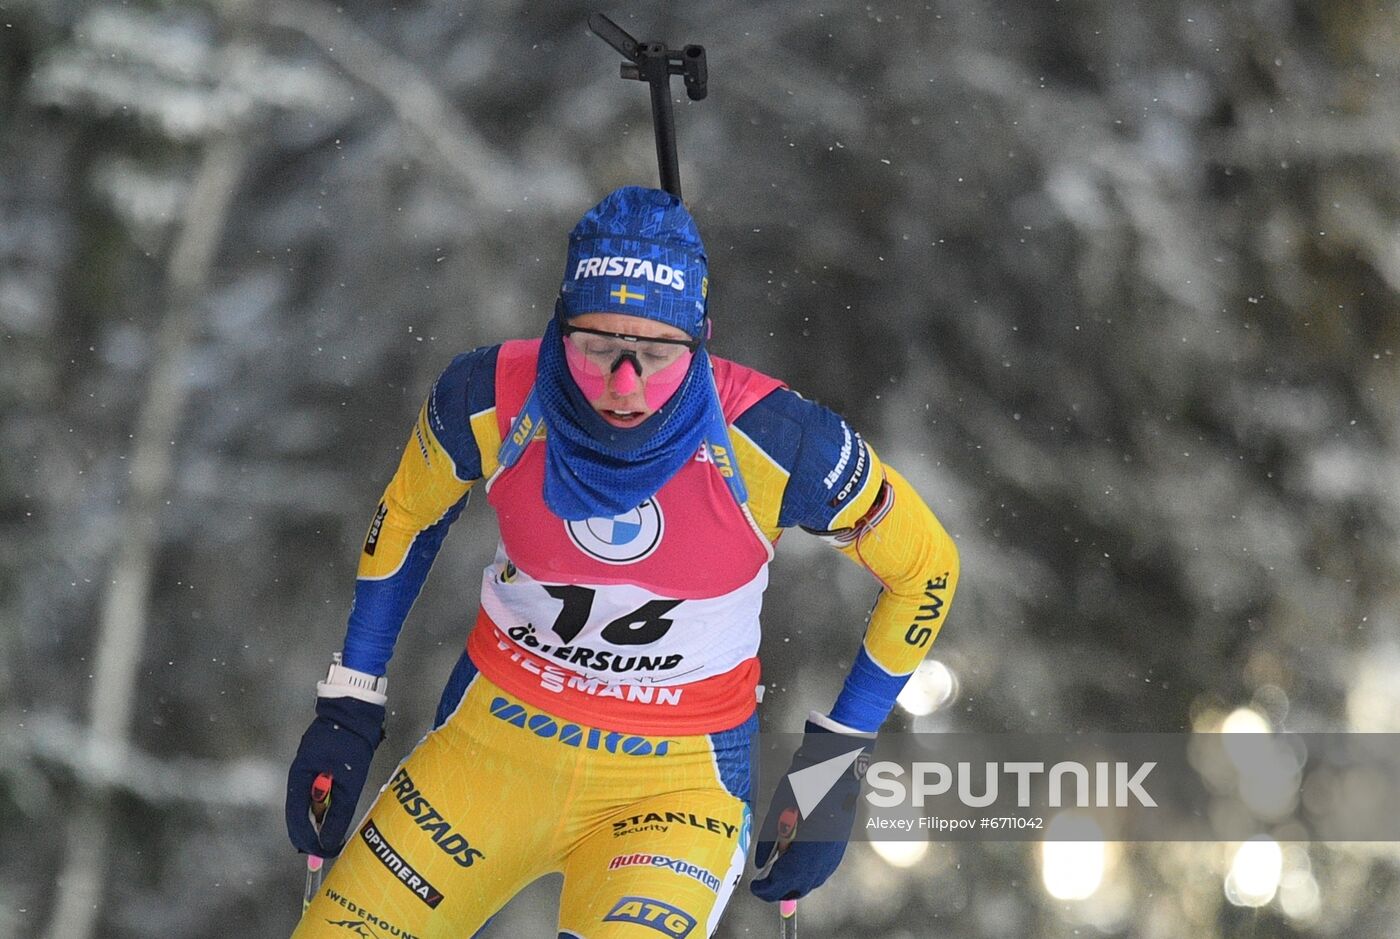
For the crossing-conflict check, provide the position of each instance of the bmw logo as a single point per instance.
(620, 539)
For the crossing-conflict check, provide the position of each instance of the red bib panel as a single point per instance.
(647, 621)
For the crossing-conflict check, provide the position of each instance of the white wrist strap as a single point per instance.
(821, 720)
(343, 682)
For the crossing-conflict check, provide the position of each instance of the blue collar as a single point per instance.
(593, 469)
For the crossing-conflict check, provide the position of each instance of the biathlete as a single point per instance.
(600, 720)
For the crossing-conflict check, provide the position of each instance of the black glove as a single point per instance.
(804, 865)
(340, 741)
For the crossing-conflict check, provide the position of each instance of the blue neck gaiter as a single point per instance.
(593, 469)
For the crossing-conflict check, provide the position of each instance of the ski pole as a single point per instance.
(653, 63)
(787, 909)
(320, 801)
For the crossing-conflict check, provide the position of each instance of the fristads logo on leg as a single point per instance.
(449, 840)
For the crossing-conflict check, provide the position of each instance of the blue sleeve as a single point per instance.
(868, 694)
(828, 467)
(466, 387)
(380, 607)
(826, 461)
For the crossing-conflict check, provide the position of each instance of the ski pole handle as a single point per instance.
(787, 909)
(787, 918)
(320, 798)
(320, 801)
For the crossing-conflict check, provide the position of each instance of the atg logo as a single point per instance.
(644, 911)
(622, 539)
(663, 275)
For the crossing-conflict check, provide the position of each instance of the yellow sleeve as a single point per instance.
(903, 544)
(424, 489)
(899, 540)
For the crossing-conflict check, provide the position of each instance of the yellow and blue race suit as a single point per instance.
(599, 721)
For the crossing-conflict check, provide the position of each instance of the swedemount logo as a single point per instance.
(365, 923)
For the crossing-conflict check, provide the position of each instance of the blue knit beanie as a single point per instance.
(637, 252)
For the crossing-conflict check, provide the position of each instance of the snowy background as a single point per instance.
(1114, 283)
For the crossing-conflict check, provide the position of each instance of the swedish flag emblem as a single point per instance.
(621, 294)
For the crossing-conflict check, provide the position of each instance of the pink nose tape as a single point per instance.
(657, 391)
(625, 376)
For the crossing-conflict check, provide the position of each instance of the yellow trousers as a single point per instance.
(650, 833)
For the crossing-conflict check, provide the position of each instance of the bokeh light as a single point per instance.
(1299, 896)
(901, 853)
(1245, 720)
(1073, 870)
(932, 685)
(1255, 872)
